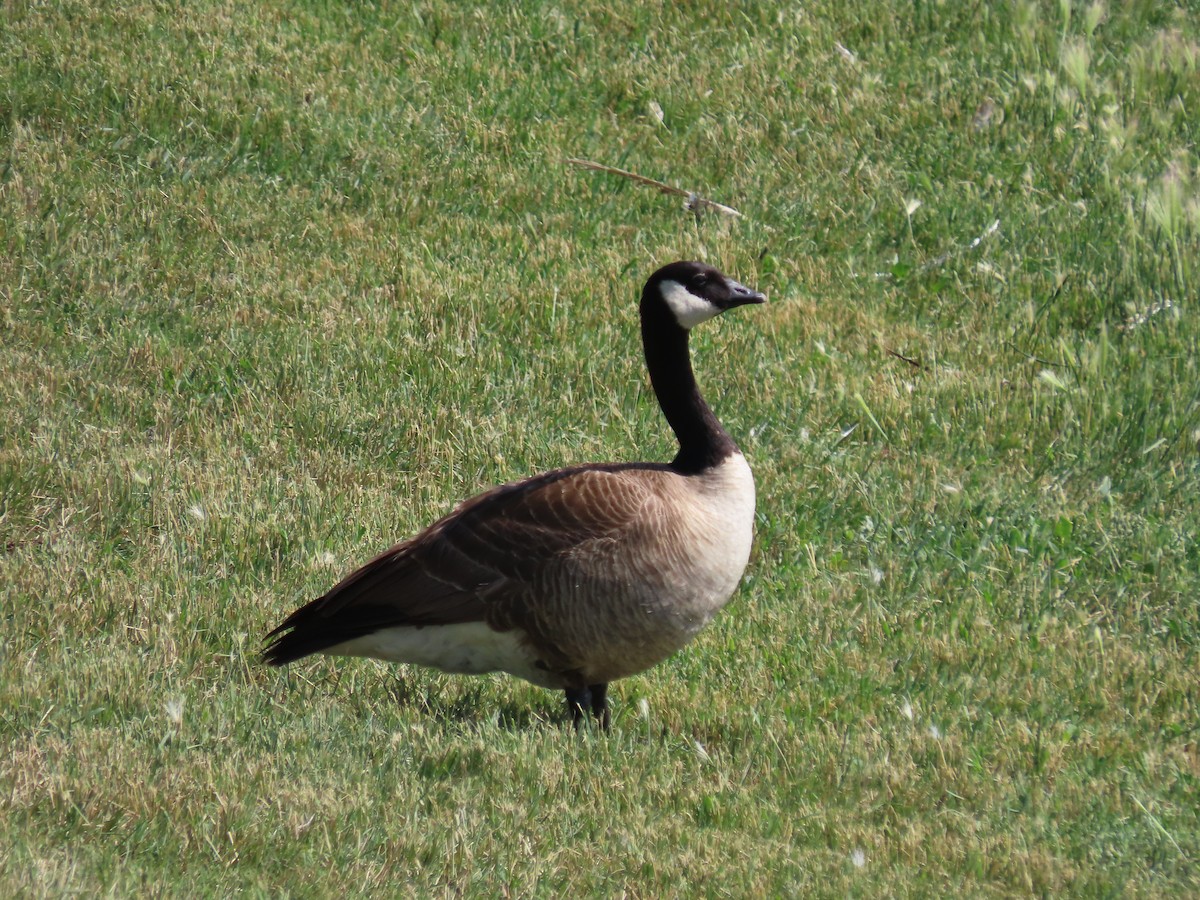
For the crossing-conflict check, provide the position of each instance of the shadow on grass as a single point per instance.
(466, 701)
(460, 701)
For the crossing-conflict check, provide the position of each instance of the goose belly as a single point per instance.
(634, 629)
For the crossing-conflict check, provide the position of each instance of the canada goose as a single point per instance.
(575, 577)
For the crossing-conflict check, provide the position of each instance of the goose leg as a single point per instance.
(600, 704)
(594, 697)
(578, 702)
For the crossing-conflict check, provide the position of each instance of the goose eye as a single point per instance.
(698, 282)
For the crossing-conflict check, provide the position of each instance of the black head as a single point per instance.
(693, 292)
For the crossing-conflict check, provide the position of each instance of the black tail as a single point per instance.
(369, 599)
(303, 633)
(315, 627)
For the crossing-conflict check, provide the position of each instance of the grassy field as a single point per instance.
(280, 282)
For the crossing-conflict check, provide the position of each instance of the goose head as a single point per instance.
(693, 292)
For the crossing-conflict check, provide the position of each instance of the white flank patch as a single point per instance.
(470, 648)
(688, 309)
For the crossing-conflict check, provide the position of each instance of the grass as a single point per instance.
(281, 282)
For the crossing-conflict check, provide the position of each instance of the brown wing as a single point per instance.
(479, 563)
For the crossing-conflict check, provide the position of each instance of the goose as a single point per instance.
(575, 577)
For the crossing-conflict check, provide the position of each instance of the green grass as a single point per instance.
(280, 283)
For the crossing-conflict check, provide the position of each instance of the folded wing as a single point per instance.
(484, 562)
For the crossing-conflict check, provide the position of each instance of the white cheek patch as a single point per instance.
(688, 309)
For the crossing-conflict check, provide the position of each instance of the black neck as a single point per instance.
(703, 442)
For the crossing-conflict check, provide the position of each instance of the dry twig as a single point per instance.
(915, 363)
(695, 202)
